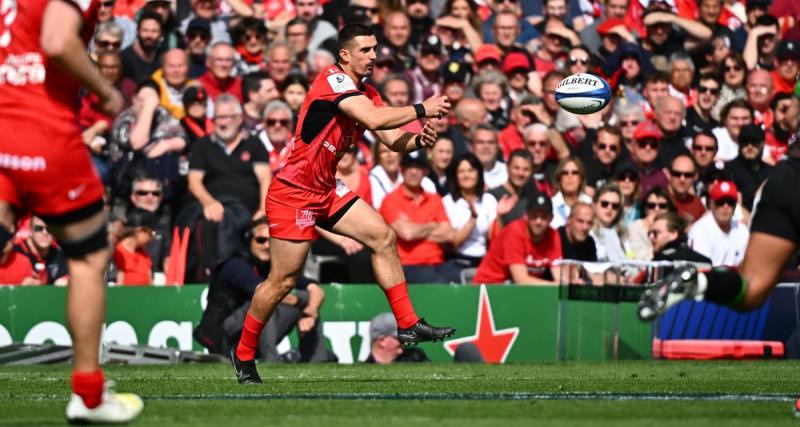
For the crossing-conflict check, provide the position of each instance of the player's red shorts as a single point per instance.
(293, 212)
(45, 170)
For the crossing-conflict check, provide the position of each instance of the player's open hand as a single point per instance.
(112, 104)
(428, 136)
(436, 106)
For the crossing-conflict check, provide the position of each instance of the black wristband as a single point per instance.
(418, 142)
(420, 109)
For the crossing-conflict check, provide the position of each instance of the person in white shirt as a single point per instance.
(485, 146)
(470, 209)
(716, 234)
(385, 177)
(734, 115)
(570, 182)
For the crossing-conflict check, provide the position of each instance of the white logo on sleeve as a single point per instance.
(341, 82)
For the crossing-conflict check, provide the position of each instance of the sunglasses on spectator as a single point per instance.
(652, 143)
(608, 147)
(570, 172)
(277, 122)
(628, 176)
(706, 148)
(630, 123)
(726, 202)
(706, 89)
(573, 60)
(751, 143)
(39, 229)
(261, 239)
(679, 174)
(538, 143)
(108, 44)
(656, 205)
(107, 4)
(191, 35)
(729, 68)
(154, 193)
(371, 10)
(410, 2)
(605, 204)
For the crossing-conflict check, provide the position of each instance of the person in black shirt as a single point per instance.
(142, 58)
(229, 163)
(698, 117)
(576, 243)
(668, 236)
(748, 170)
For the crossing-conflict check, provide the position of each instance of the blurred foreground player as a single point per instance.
(774, 238)
(45, 168)
(305, 193)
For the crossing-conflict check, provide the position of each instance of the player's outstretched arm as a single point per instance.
(61, 42)
(403, 142)
(374, 118)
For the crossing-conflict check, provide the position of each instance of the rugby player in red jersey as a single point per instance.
(45, 169)
(305, 194)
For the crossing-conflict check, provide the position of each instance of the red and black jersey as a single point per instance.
(31, 86)
(323, 132)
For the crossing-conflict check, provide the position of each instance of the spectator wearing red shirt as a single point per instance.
(219, 78)
(48, 261)
(787, 66)
(682, 177)
(787, 116)
(134, 266)
(522, 115)
(421, 224)
(525, 250)
(15, 268)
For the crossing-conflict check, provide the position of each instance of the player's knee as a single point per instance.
(286, 284)
(385, 241)
(754, 297)
(94, 242)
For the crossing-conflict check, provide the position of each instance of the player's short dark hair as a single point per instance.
(149, 14)
(350, 31)
(248, 24)
(252, 83)
(522, 154)
(767, 20)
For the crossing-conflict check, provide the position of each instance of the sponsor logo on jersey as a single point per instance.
(22, 163)
(341, 188)
(20, 70)
(305, 218)
(341, 83)
(245, 156)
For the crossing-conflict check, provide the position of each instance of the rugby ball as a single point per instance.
(583, 93)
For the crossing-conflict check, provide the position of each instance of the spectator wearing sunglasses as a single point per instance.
(668, 236)
(698, 116)
(198, 37)
(703, 150)
(626, 177)
(717, 235)
(207, 10)
(787, 115)
(124, 28)
(644, 153)
(748, 170)
(47, 259)
(682, 175)
(147, 195)
(608, 230)
(762, 41)
(655, 202)
(605, 153)
(734, 75)
(276, 132)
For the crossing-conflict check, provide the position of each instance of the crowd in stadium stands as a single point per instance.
(705, 102)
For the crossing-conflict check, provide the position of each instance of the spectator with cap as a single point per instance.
(682, 175)
(385, 348)
(47, 259)
(207, 9)
(762, 40)
(698, 116)
(219, 78)
(134, 265)
(717, 235)
(516, 66)
(195, 123)
(421, 224)
(386, 176)
(555, 44)
(668, 33)
(15, 268)
(576, 241)
(644, 153)
(147, 194)
(425, 76)
(613, 33)
(759, 95)
(626, 176)
(385, 65)
(421, 21)
(733, 117)
(787, 66)
(250, 40)
(173, 79)
(454, 80)
(668, 237)
(614, 11)
(258, 90)
(748, 170)
(787, 115)
(142, 58)
(146, 138)
(525, 250)
(198, 37)
(487, 57)
(471, 210)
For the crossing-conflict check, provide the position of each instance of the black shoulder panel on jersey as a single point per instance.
(319, 114)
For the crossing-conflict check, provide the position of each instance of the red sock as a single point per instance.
(89, 386)
(251, 330)
(401, 305)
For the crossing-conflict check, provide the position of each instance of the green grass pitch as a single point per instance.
(567, 394)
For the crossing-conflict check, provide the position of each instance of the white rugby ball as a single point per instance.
(583, 93)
